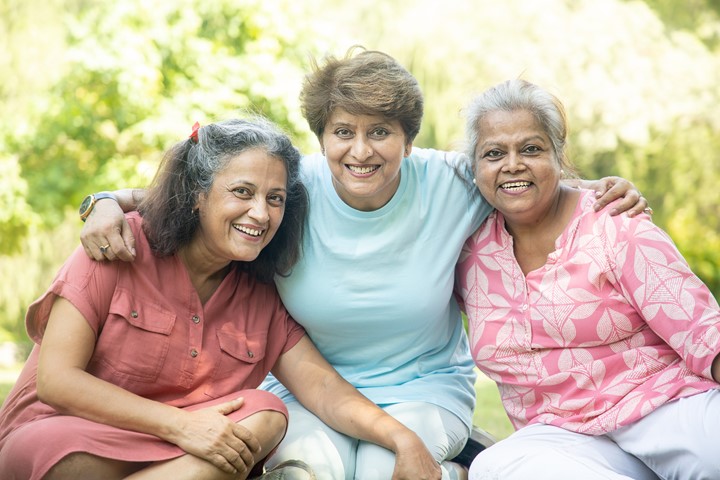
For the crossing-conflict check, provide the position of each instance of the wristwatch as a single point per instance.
(89, 202)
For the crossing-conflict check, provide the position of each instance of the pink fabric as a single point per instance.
(156, 339)
(613, 326)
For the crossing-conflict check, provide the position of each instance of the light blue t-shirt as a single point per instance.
(374, 289)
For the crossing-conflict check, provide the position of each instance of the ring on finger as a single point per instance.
(104, 248)
(648, 210)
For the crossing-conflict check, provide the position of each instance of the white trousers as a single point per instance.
(334, 456)
(680, 440)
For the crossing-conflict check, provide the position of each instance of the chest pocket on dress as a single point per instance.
(239, 365)
(135, 339)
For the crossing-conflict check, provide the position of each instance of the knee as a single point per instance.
(275, 424)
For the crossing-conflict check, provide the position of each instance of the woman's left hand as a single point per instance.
(609, 189)
(209, 434)
(414, 461)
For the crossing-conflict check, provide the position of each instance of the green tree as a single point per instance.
(125, 80)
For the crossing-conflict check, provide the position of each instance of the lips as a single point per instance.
(362, 170)
(515, 186)
(253, 232)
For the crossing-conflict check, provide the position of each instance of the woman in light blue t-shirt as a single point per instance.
(374, 287)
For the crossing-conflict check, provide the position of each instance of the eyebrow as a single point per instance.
(237, 183)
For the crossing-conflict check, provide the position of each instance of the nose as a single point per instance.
(361, 149)
(259, 212)
(513, 163)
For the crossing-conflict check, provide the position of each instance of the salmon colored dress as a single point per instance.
(155, 339)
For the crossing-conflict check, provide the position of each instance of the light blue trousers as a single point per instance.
(680, 440)
(334, 456)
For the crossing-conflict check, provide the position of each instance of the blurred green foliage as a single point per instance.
(94, 91)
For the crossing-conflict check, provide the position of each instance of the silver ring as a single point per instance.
(648, 210)
(104, 248)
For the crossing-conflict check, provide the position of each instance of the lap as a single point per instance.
(334, 455)
(547, 452)
(62, 435)
(678, 440)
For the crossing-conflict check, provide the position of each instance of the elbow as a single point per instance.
(49, 391)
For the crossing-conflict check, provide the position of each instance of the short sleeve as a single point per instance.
(87, 284)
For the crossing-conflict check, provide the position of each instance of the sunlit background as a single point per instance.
(93, 91)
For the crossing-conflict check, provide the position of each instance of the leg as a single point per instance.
(269, 428)
(678, 440)
(546, 452)
(443, 433)
(330, 454)
(80, 465)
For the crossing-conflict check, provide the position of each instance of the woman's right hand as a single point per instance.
(106, 227)
(209, 434)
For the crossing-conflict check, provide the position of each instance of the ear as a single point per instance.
(408, 149)
(201, 199)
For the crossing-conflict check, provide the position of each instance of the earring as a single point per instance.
(474, 181)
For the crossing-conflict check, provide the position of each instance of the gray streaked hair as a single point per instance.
(188, 169)
(514, 95)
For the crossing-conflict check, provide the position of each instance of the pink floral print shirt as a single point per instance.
(613, 326)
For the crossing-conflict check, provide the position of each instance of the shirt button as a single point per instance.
(134, 314)
(524, 307)
(250, 354)
(193, 353)
(196, 319)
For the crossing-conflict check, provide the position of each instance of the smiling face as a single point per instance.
(243, 209)
(364, 153)
(516, 169)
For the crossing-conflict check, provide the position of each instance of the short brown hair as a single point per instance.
(369, 83)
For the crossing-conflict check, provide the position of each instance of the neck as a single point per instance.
(534, 238)
(206, 274)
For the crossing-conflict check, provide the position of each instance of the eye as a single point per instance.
(343, 133)
(532, 150)
(276, 199)
(242, 192)
(493, 154)
(379, 132)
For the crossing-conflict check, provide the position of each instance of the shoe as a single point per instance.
(289, 470)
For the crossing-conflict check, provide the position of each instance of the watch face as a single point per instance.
(85, 204)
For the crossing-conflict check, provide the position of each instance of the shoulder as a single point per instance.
(440, 166)
(440, 158)
(311, 166)
(617, 231)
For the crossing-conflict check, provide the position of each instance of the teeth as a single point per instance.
(249, 231)
(515, 185)
(363, 170)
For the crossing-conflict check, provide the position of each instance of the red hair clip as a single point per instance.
(194, 135)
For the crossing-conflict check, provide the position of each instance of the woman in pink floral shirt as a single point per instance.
(602, 341)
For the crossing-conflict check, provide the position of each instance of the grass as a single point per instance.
(489, 413)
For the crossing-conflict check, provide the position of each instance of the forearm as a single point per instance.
(129, 198)
(78, 393)
(354, 415)
(335, 401)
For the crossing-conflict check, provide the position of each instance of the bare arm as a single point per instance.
(337, 403)
(106, 225)
(63, 383)
(609, 189)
